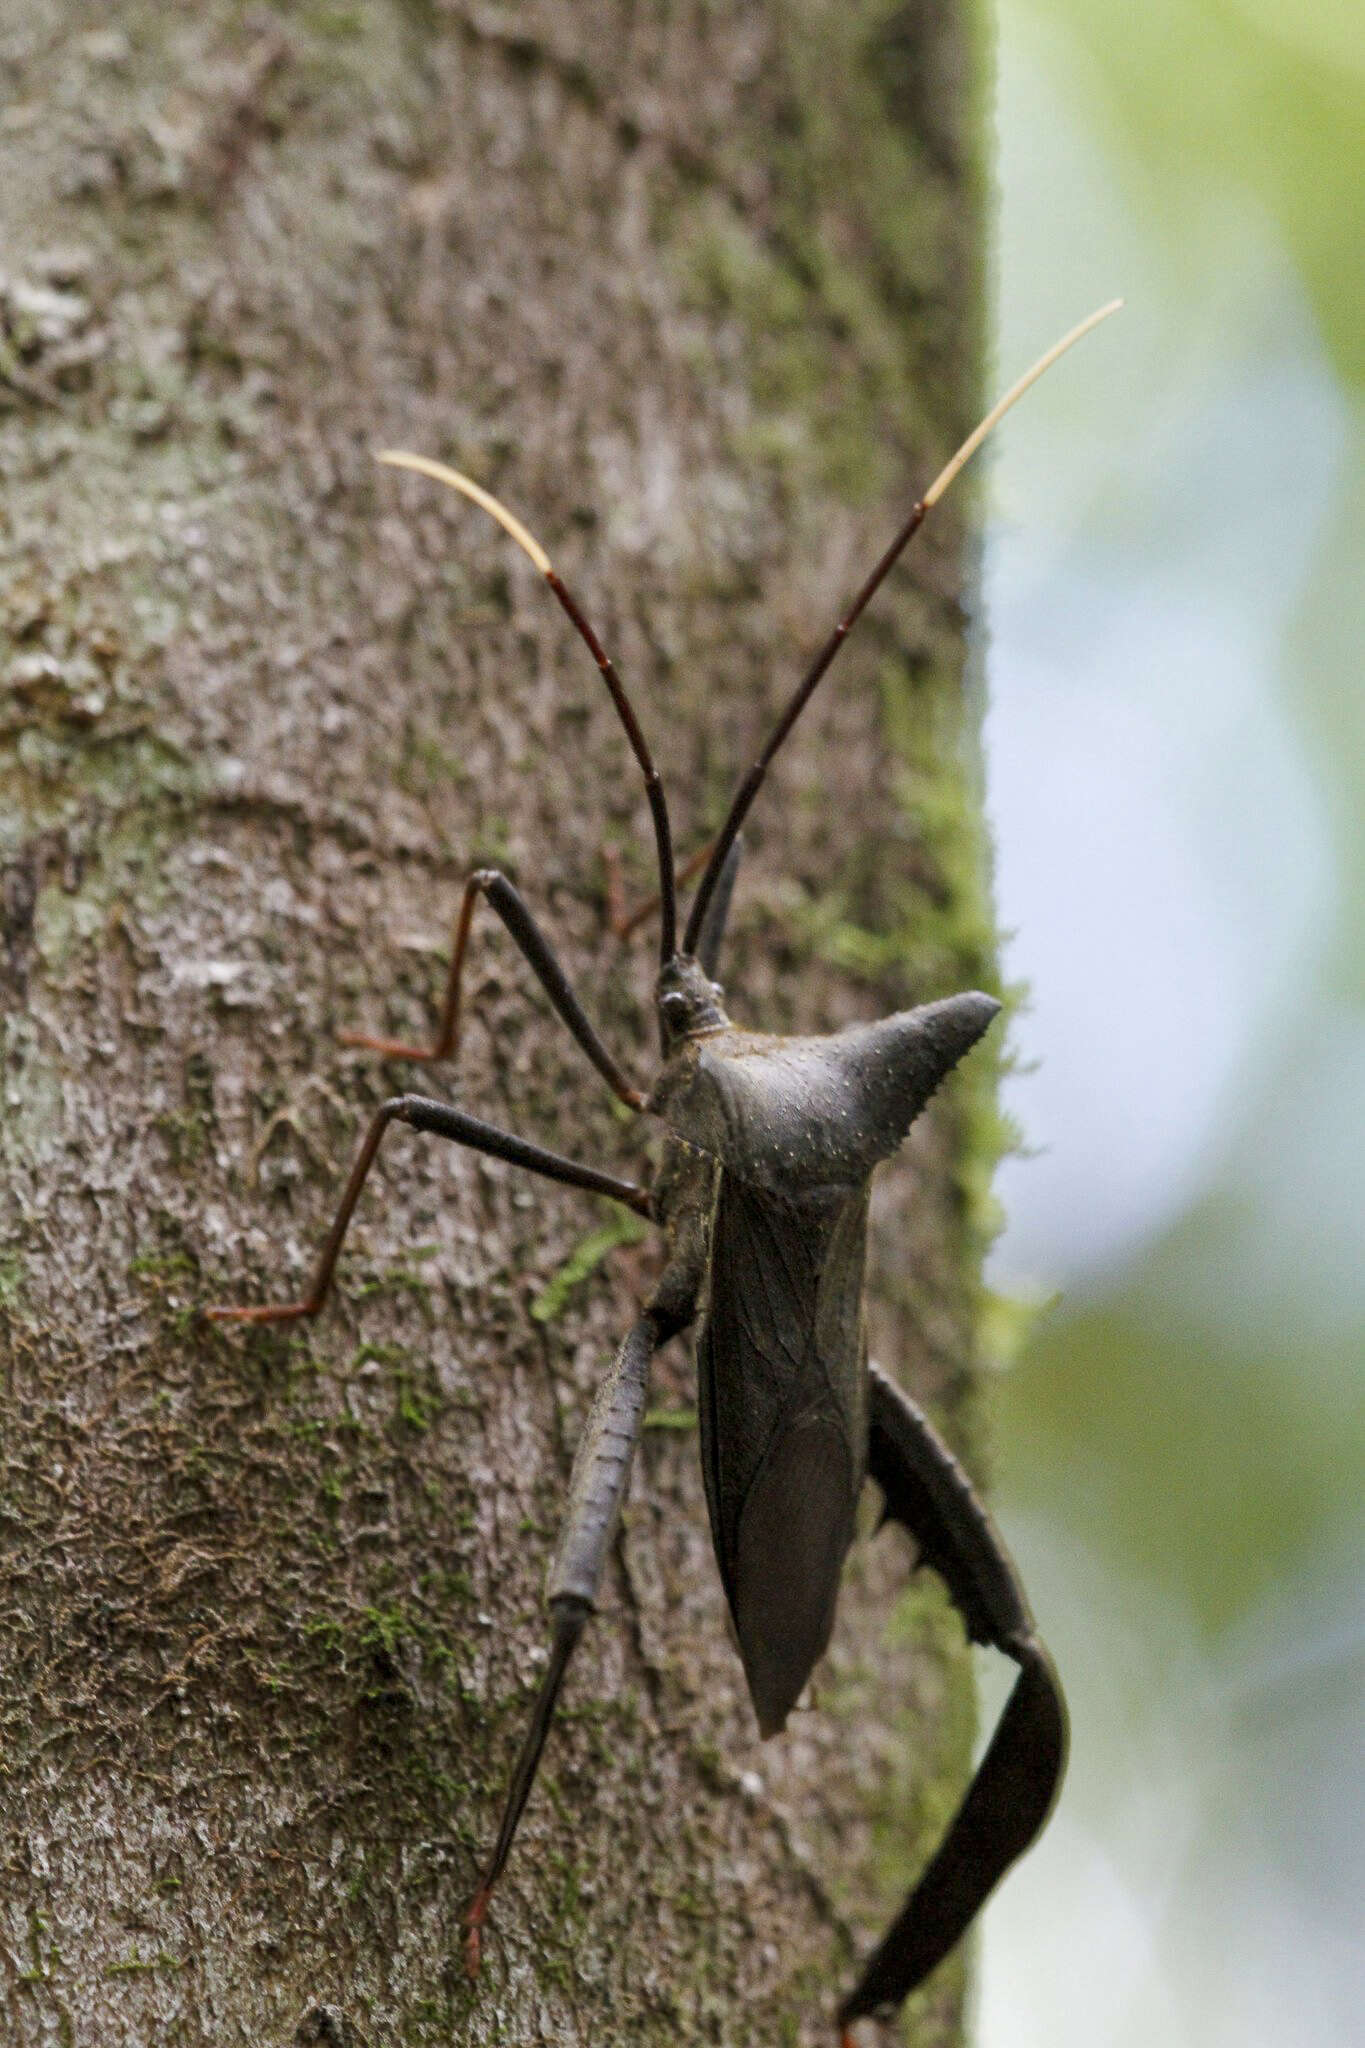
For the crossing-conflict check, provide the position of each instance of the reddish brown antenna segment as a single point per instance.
(527, 542)
(805, 689)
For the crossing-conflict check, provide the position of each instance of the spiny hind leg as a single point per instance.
(1015, 1785)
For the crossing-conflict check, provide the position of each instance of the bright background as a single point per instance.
(1176, 584)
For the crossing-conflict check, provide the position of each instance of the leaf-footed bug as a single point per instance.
(762, 1194)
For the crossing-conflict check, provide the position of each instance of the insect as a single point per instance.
(762, 1194)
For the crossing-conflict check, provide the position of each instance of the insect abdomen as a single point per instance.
(783, 1422)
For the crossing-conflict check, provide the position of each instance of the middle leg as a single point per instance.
(445, 1121)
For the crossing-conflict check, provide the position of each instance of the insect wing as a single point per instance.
(783, 1422)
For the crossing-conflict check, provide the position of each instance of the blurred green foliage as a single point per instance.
(1267, 96)
(1182, 1446)
(1200, 109)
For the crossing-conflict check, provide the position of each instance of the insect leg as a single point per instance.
(712, 933)
(1012, 1793)
(511, 907)
(446, 1122)
(625, 923)
(600, 1471)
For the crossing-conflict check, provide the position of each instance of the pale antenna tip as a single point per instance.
(1012, 397)
(456, 480)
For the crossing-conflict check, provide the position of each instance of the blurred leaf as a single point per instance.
(1212, 1472)
(1258, 94)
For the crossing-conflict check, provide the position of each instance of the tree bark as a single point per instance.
(696, 290)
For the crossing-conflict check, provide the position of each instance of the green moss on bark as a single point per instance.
(273, 1602)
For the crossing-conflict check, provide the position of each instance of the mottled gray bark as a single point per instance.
(696, 289)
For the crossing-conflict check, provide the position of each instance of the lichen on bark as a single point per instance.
(696, 289)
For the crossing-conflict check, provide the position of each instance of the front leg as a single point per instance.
(624, 922)
(1015, 1786)
(502, 896)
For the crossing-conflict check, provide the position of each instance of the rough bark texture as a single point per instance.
(695, 288)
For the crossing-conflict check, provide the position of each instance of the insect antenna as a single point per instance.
(805, 689)
(527, 542)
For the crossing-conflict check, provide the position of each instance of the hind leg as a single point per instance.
(596, 1489)
(1016, 1783)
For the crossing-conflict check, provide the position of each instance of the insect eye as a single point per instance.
(674, 1006)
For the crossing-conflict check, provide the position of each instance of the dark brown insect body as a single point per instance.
(762, 1198)
(791, 1129)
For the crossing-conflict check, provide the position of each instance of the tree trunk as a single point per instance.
(696, 289)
